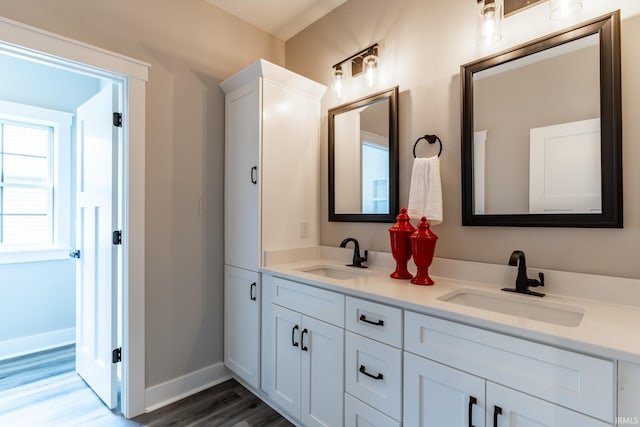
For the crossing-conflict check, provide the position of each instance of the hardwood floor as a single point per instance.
(44, 390)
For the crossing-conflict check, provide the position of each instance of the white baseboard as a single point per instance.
(171, 391)
(34, 343)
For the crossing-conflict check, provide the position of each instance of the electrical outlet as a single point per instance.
(304, 229)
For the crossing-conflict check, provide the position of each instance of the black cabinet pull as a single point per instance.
(496, 411)
(252, 290)
(472, 401)
(363, 370)
(364, 319)
(293, 336)
(302, 346)
(254, 175)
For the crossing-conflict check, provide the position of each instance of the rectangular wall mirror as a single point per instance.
(363, 159)
(541, 132)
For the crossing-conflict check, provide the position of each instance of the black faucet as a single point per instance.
(523, 283)
(357, 259)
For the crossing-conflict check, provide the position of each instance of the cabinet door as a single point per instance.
(242, 323)
(436, 395)
(284, 384)
(322, 348)
(241, 208)
(521, 410)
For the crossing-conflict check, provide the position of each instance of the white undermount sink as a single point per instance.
(334, 272)
(528, 307)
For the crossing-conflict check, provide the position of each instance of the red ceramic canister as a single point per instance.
(401, 245)
(423, 245)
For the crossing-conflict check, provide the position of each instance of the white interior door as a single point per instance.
(96, 219)
(564, 171)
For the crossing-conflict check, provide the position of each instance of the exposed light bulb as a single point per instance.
(338, 81)
(370, 69)
(490, 23)
(563, 9)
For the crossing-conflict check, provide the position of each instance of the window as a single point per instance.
(35, 183)
(26, 184)
(375, 174)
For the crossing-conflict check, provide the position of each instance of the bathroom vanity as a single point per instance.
(329, 345)
(348, 346)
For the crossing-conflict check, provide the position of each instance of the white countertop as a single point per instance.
(607, 329)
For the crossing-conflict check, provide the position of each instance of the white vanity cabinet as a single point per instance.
(373, 364)
(272, 126)
(303, 351)
(458, 375)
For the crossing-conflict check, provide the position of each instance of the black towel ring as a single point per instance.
(431, 139)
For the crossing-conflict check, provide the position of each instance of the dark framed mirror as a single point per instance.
(363, 159)
(542, 132)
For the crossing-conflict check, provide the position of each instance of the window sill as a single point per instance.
(33, 255)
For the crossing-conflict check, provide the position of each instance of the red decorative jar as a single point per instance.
(401, 245)
(423, 245)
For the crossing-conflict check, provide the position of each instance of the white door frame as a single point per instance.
(26, 41)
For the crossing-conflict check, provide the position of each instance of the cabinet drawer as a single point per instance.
(583, 383)
(313, 302)
(377, 321)
(357, 414)
(373, 373)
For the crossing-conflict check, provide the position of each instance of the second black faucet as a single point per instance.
(357, 259)
(523, 283)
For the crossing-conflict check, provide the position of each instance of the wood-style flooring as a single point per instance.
(43, 390)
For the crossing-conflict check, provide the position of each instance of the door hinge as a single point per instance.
(117, 237)
(116, 355)
(117, 120)
(75, 254)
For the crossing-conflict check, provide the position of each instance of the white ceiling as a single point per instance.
(282, 18)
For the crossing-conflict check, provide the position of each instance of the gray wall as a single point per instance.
(422, 45)
(191, 47)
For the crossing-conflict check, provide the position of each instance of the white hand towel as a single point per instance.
(425, 192)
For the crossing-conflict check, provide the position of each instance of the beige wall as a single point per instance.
(422, 45)
(191, 47)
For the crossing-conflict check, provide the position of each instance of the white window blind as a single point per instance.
(26, 184)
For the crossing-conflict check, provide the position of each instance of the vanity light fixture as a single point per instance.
(490, 23)
(365, 62)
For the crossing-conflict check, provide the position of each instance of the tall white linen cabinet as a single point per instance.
(272, 128)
